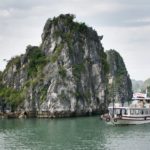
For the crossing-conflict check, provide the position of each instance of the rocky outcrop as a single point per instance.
(66, 76)
(76, 69)
(119, 83)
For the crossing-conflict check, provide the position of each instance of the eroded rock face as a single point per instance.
(119, 83)
(77, 76)
(68, 74)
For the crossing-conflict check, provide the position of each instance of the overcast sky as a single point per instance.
(125, 25)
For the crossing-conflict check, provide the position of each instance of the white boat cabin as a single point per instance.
(128, 111)
(138, 112)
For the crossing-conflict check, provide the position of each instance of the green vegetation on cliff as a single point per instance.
(36, 60)
(57, 52)
(68, 21)
(105, 63)
(120, 86)
(77, 70)
(117, 67)
(62, 72)
(14, 61)
(11, 96)
(1, 76)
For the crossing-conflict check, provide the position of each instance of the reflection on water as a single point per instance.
(85, 133)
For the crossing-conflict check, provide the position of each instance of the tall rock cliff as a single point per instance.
(119, 83)
(67, 75)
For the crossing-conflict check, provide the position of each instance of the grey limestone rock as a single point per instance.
(68, 74)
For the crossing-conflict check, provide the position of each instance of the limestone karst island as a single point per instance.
(69, 74)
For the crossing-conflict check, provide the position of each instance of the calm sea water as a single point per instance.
(85, 133)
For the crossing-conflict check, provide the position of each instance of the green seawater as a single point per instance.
(84, 133)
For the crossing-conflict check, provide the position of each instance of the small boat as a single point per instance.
(138, 112)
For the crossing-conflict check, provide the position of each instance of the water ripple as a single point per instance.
(86, 133)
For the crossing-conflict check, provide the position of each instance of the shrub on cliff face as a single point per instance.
(67, 19)
(36, 59)
(11, 96)
(62, 72)
(105, 63)
(14, 61)
(77, 70)
(1, 76)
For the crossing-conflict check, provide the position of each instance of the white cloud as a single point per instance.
(4, 13)
(124, 24)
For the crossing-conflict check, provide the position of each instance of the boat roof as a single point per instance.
(141, 98)
(127, 108)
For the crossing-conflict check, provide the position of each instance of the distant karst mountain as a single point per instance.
(137, 85)
(141, 86)
(69, 74)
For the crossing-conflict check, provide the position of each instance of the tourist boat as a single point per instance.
(138, 112)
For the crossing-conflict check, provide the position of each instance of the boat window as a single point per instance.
(146, 112)
(117, 111)
(124, 111)
(111, 111)
(132, 112)
(141, 112)
(137, 112)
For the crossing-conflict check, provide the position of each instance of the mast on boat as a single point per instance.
(113, 95)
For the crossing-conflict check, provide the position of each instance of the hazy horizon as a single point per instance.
(125, 26)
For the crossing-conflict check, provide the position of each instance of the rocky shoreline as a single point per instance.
(45, 114)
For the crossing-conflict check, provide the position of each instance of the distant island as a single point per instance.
(69, 74)
(141, 86)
